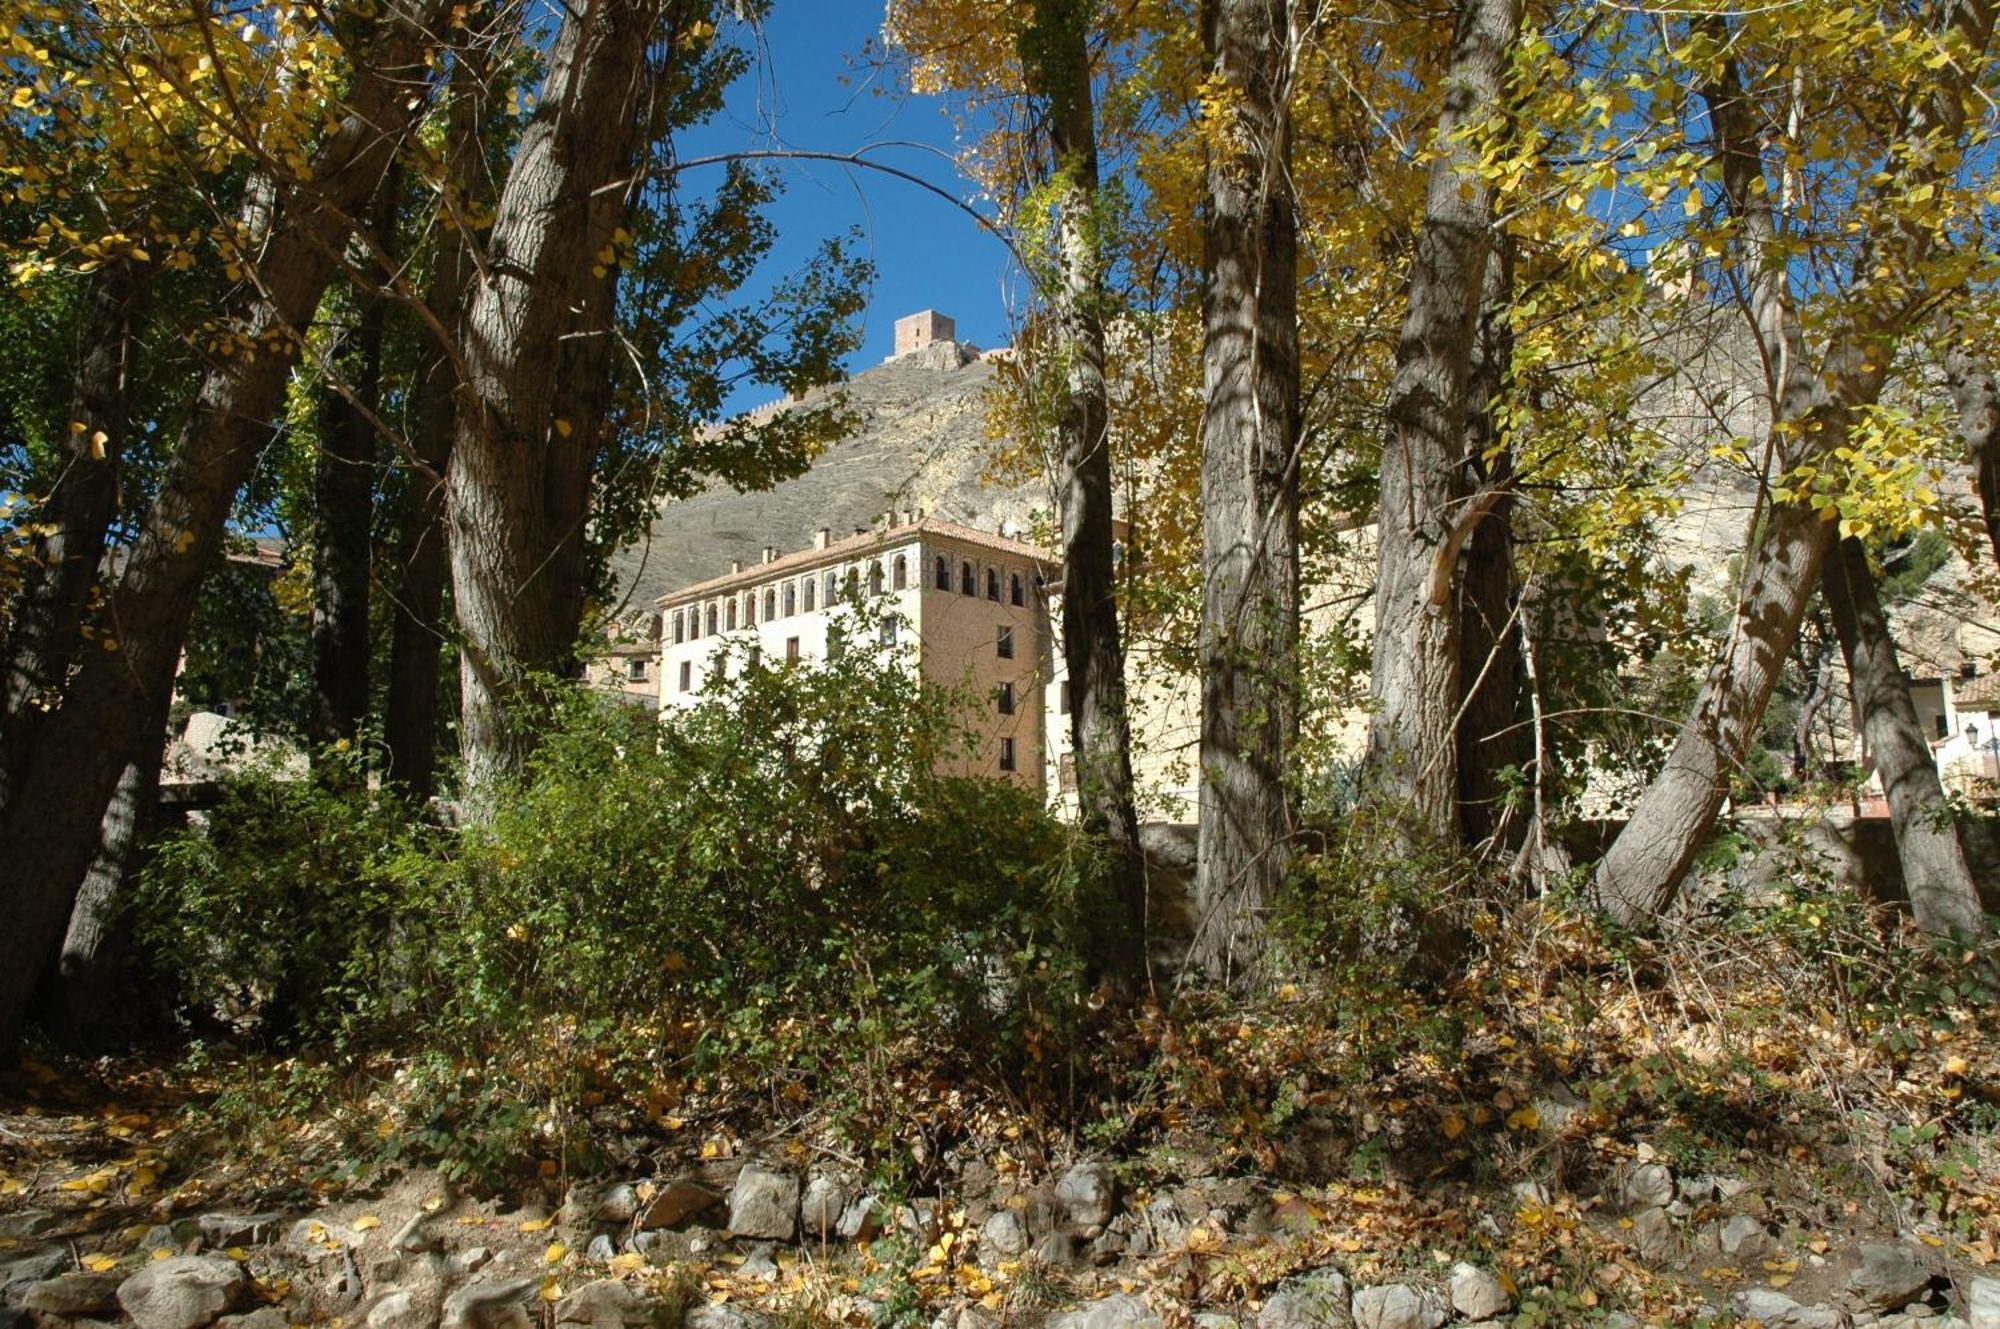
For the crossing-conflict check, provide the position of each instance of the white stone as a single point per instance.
(1650, 1184)
(1889, 1276)
(1476, 1294)
(1775, 1310)
(1004, 1236)
(1744, 1238)
(764, 1203)
(1317, 1301)
(1982, 1303)
(820, 1208)
(1087, 1194)
(1116, 1312)
(181, 1292)
(1397, 1306)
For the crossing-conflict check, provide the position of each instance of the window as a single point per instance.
(1003, 642)
(832, 588)
(756, 656)
(1944, 730)
(810, 587)
(750, 609)
(680, 627)
(888, 630)
(943, 573)
(874, 578)
(770, 604)
(901, 577)
(729, 615)
(993, 586)
(711, 620)
(967, 585)
(687, 675)
(1017, 593)
(791, 648)
(1065, 697)
(635, 671)
(792, 597)
(1005, 698)
(1006, 754)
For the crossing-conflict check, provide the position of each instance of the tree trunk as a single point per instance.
(539, 327)
(343, 520)
(1426, 514)
(50, 612)
(1812, 408)
(1978, 401)
(1056, 52)
(1942, 896)
(51, 825)
(423, 569)
(1492, 736)
(1249, 490)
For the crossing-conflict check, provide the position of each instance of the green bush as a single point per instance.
(784, 880)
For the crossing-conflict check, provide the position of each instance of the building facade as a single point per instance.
(975, 607)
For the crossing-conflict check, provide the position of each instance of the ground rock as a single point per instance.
(678, 1201)
(1982, 1303)
(20, 1269)
(1650, 1184)
(605, 1304)
(765, 1203)
(1889, 1276)
(618, 1204)
(1087, 1194)
(25, 1223)
(1743, 1238)
(1318, 1300)
(490, 1303)
(761, 1262)
(706, 1316)
(1005, 1236)
(1116, 1312)
(1775, 1310)
(403, 1308)
(820, 1208)
(74, 1294)
(264, 1317)
(182, 1292)
(1398, 1306)
(1654, 1238)
(224, 1230)
(461, 1263)
(1057, 1249)
(1477, 1294)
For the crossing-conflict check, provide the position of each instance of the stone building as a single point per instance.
(975, 607)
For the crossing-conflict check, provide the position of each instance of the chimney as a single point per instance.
(735, 566)
(822, 537)
(770, 553)
(892, 519)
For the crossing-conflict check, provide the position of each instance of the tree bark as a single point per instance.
(1426, 512)
(1056, 52)
(1492, 736)
(1978, 400)
(1942, 896)
(343, 522)
(50, 613)
(1812, 410)
(1249, 490)
(51, 823)
(536, 342)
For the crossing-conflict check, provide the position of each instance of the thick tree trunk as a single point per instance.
(1426, 513)
(1249, 490)
(536, 344)
(1812, 407)
(1978, 400)
(1492, 736)
(343, 521)
(51, 610)
(423, 568)
(1057, 53)
(51, 824)
(1942, 896)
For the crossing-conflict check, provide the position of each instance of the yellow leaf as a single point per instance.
(563, 427)
(535, 1224)
(551, 1290)
(1454, 1126)
(161, 1253)
(237, 1253)
(1524, 1119)
(100, 1263)
(628, 1263)
(555, 1252)
(366, 1222)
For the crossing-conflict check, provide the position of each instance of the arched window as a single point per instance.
(810, 587)
(680, 627)
(749, 609)
(875, 578)
(900, 578)
(967, 583)
(729, 615)
(770, 603)
(1016, 591)
(832, 588)
(711, 618)
(943, 573)
(852, 585)
(993, 585)
(792, 598)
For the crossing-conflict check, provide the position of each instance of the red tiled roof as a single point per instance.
(842, 550)
(1981, 691)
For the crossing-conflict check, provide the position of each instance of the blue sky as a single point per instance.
(821, 88)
